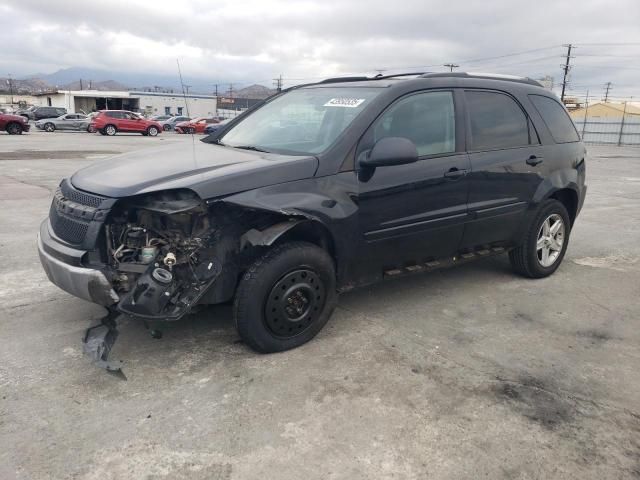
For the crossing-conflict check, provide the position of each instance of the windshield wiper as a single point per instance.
(250, 147)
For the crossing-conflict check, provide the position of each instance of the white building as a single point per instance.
(149, 103)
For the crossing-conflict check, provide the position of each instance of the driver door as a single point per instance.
(415, 212)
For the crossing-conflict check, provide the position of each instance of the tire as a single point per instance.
(529, 258)
(14, 128)
(102, 132)
(166, 128)
(152, 131)
(268, 321)
(49, 127)
(110, 130)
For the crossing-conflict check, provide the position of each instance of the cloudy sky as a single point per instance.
(256, 40)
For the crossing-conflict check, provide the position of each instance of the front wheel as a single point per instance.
(110, 130)
(49, 127)
(152, 131)
(14, 129)
(286, 297)
(545, 242)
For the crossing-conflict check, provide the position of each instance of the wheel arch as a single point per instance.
(569, 198)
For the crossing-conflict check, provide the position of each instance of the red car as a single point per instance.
(110, 122)
(197, 125)
(13, 124)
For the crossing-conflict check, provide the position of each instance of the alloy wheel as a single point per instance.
(550, 240)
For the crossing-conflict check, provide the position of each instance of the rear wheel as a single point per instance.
(110, 130)
(152, 131)
(14, 128)
(49, 127)
(545, 242)
(286, 297)
(166, 128)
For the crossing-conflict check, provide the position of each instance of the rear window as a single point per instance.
(496, 121)
(556, 118)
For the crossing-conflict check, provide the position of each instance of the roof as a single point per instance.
(614, 108)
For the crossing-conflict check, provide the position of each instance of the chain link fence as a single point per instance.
(610, 131)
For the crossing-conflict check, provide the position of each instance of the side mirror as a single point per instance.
(391, 151)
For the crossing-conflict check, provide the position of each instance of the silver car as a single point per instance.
(69, 121)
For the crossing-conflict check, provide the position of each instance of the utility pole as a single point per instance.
(80, 84)
(277, 82)
(451, 66)
(187, 87)
(565, 69)
(586, 115)
(216, 91)
(606, 93)
(231, 90)
(10, 82)
(624, 112)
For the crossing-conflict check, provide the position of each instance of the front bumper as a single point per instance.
(86, 283)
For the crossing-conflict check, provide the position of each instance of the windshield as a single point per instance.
(305, 121)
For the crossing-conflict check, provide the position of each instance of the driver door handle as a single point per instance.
(533, 160)
(455, 173)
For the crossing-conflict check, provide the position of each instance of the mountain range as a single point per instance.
(72, 78)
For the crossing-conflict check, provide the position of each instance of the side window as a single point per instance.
(496, 121)
(427, 119)
(555, 118)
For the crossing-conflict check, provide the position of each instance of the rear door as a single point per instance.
(506, 166)
(131, 122)
(415, 212)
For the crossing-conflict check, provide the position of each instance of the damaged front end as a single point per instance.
(162, 253)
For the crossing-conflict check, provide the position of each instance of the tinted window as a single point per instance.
(496, 121)
(115, 114)
(427, 119)
(556, 118)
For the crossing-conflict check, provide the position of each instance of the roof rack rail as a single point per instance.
(393, 75)
(344, 79)
(489, 76)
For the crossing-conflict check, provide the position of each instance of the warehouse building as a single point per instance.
(148, 103)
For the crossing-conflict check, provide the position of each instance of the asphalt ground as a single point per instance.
(465, 373)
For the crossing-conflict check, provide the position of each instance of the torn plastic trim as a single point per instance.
(269, 235)
(99, 340)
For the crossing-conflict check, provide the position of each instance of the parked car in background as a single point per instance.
(171, 123)
(160, 118)
(197, 125)
(69, 121)
(110, 122)
(13, 124)
(214, 127)
(38, 113)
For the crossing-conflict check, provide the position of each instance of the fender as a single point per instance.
(314, 201)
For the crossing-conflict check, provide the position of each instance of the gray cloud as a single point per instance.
(255, 40)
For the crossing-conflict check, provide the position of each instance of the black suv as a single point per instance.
(320, 189)
(38, 113)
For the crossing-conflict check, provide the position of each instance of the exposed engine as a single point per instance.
(162, 254)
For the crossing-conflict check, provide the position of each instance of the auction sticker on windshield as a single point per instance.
(344, 102)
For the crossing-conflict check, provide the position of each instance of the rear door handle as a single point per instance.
(533, 160)
(455, 173)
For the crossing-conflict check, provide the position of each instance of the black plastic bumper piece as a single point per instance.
(98, 342)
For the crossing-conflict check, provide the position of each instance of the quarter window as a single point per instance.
(496, 121)
(427, 119)
(556, 118)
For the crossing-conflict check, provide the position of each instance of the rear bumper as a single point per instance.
(86, 283)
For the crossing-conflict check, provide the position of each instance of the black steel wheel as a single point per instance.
(286, 297)
(293, 303)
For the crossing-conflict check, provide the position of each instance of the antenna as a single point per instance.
(184, 95)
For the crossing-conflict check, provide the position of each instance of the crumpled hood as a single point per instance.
(208, 169)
